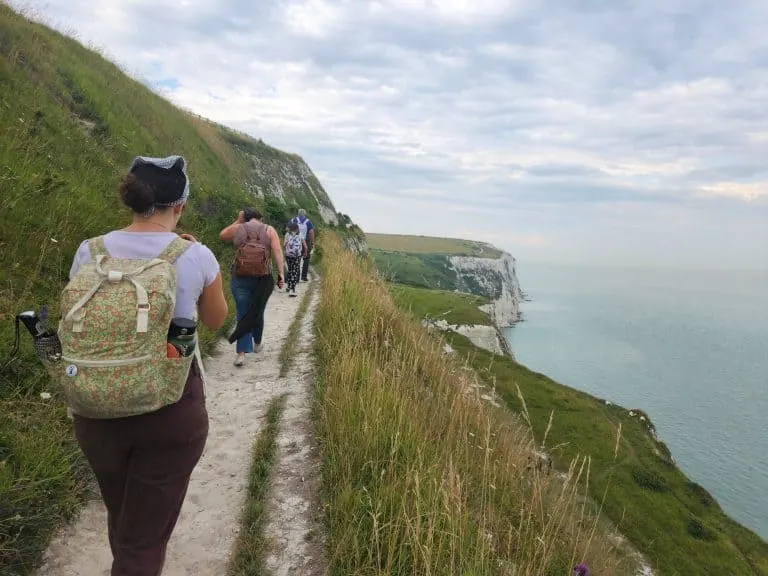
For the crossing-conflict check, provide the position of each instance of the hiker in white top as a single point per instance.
(295, 250)
(143, 463)
(307, 233)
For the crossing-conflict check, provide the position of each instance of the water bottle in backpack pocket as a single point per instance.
(182, 336)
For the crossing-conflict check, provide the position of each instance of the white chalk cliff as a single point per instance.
(355, 241)
(288, 178)
(486, 337)
(494, 278)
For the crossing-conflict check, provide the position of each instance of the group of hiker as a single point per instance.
(257, 244)
(140, 414)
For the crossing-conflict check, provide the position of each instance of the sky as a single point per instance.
(607, 132)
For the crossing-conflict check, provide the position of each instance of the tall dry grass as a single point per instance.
(420, 475)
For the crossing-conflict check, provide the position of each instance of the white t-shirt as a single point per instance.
(196, 269)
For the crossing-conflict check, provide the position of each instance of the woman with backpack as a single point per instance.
(141, 423)
(295, 250)
(257, 245)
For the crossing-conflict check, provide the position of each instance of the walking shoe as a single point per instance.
(292, 295)
(239, 360)
(257, 348)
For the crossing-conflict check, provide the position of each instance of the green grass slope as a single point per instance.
(71, 122)
(420, 270)
(455, 308)
(675, 522)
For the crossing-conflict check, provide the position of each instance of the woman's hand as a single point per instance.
(188, 237)
(240, 217)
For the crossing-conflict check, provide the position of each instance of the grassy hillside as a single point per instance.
(430, 245)
(456, 309)
(672, 520)
(421, 476)
(420, 270)
(71, 122)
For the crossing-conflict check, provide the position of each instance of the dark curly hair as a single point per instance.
(147, 186)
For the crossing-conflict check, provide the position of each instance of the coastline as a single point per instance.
(633, 477)
(645, 491)
(668, 352)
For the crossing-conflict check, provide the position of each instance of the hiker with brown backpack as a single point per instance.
(257, 245)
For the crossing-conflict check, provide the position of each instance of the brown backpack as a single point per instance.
(253, 253)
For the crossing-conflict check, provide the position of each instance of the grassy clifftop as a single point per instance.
(431, 245)
(421, 260)
(71, 122)
(451, 265)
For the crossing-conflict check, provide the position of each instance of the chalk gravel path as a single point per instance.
(204, 538)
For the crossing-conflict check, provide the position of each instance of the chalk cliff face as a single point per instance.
(494, 278)
(355, 240)
(487, 337)
(288, 178)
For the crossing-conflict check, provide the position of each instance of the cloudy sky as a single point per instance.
(603, 131)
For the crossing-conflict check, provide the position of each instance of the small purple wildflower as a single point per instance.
(581, 570)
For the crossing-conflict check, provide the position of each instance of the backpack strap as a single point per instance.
(266, 241)
(98, 247)
(76, 314)
(175, 249)
(249, 230)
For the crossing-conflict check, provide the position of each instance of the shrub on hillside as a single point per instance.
(649, 479)
(276, 213)
(700, 531)
(701, 494)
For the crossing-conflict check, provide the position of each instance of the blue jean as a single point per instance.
(251, 292)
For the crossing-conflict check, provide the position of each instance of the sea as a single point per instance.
(688, 347)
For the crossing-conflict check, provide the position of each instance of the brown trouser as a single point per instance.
(143, 464)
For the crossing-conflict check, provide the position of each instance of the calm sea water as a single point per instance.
(689, 348)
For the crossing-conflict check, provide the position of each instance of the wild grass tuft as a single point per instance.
(252, 547)
(288, 351)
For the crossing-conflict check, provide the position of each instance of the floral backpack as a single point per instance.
(293, 247)
(115, 318)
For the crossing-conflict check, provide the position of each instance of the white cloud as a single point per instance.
(748, 191)
(556, 115)
(313, 18)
